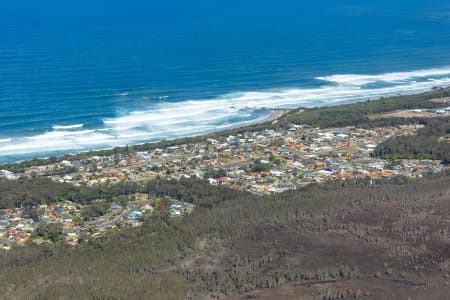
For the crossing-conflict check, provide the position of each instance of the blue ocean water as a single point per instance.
(81, 75)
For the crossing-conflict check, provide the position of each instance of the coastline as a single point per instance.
(274, 115)
(278, 113)
(272, 118)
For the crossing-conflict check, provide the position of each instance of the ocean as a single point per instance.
(77, 76)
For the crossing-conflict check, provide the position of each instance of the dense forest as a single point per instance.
(355, 114)
(28, 192)
(431, 142)
(339, 240)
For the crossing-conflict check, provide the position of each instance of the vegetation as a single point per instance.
(340, 239)
(357, 114)
(332, 116)
(96, 209)
(53, 232)
(28, 192)
(259, 166)
(215, 173)
(429, 143)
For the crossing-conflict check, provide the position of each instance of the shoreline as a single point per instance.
(278, 113)
(275, 114)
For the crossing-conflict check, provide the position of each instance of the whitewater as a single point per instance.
(167, 120)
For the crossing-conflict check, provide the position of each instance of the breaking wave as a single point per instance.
(165, 120)
(64, 127)
(396, 77)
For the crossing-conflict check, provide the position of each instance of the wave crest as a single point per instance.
(165, 120)
(65, 127)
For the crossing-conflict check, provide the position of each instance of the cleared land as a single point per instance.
(407, 113)
(444, 100)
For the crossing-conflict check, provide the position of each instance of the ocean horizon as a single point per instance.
(80, 77)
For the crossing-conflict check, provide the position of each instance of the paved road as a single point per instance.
(5, 241)
(123, 214)
(295, 182)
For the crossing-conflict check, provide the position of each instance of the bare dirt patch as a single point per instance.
(410, 113)
(445, 100)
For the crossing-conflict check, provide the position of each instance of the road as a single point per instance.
(5, 241)
(124, 213)
(295, 182)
